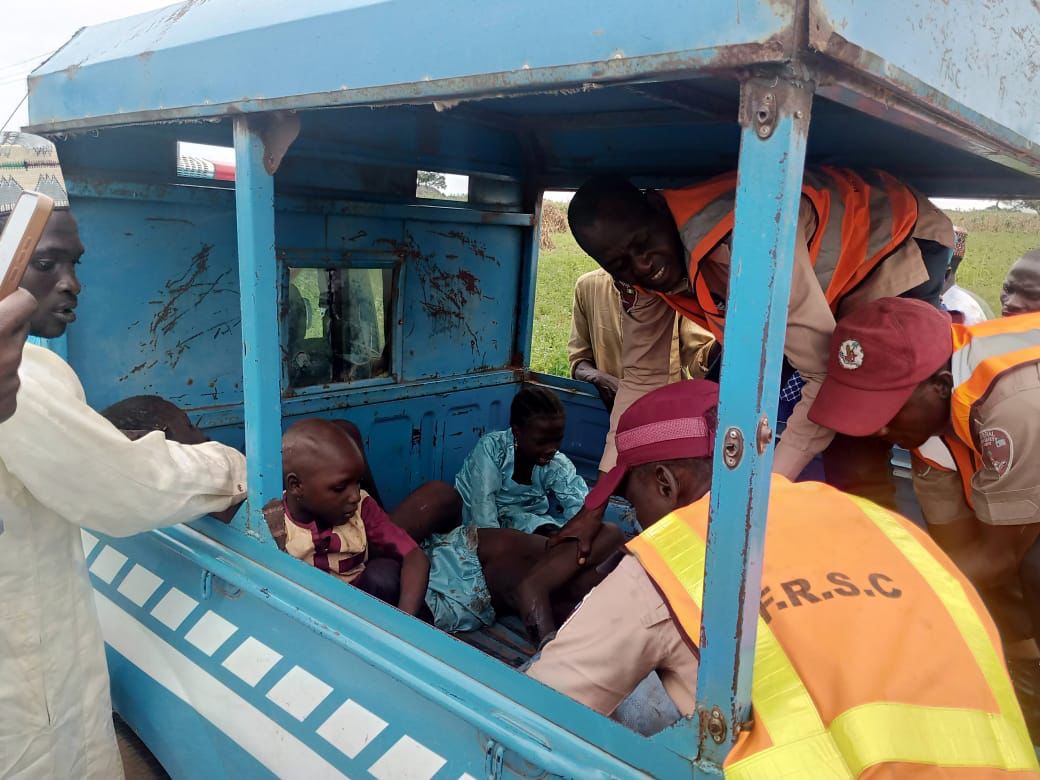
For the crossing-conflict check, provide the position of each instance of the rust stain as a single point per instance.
(181, 296)
(445, 293)
(474, 246)
(469, 280)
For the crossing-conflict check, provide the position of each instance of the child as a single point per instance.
(333, 524)
(511, 476)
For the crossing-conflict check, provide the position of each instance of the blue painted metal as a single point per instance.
(528, 287)
(258, 276)
(987, 66)
(768, 197)
(159, 64)
(381, 659)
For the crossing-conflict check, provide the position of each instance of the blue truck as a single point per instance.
(319, 283)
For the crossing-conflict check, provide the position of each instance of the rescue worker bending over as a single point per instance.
(874, 653)
(966, 400)
(861, 235)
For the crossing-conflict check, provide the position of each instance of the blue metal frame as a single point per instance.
(258, 277)
(775, 119)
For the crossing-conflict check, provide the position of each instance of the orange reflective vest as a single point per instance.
(873, 657)
(982, 353)
(861, 219)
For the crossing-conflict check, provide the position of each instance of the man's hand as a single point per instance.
(605, 384)
(15, 312)
(581, 528)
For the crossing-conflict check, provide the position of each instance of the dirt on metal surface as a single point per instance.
(138, 762)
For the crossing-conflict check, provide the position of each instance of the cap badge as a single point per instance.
(850, 354)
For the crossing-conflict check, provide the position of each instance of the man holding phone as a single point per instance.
(64, 467)
(15, 313)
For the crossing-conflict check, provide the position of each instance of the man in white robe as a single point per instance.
(63, 467)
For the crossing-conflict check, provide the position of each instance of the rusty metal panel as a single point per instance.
(207, 57)
(977, 60)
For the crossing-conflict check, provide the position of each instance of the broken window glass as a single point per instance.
(338, 323)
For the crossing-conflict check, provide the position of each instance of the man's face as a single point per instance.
(1021, 292)
(926, 414)
(639, 247)
(655, 489)
(51, 276)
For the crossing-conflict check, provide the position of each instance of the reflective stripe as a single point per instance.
(860, 220)
(884, 732)
(782, 704)
(981, 354)
(1012, 748)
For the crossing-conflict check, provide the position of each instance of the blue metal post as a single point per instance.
(775, 121)
(261, 355)
(528, 286)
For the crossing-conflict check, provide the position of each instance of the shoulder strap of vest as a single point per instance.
(982, 354)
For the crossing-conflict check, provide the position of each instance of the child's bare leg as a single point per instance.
(507, 556)
(432, 508)
(557, 569)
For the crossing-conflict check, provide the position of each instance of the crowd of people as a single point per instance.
(877, 635)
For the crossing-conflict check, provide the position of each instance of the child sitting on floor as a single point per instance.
(498, 559)
(333, 524)
(513, 477)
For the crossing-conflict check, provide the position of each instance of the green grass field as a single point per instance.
(995, 241)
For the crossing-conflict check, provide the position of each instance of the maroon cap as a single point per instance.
(670, 423)
(878, 355)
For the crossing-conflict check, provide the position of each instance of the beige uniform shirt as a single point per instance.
(620, 633)
(1006, 489)
(810, 323)
(596, 325)
(64, 467)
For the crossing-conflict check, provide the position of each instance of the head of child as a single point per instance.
(51, 273)
(538, 421)
(322, 468)
(665, 442)
(143, 414)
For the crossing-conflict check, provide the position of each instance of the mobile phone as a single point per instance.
(21, 234)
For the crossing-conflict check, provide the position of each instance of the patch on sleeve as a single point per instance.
(998, 451)
(628, 295)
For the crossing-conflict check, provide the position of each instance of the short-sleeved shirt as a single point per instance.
(344, 549)
(596, 332)
(619, 633)
(1006, 489)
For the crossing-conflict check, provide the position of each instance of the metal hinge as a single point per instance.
(494, 754)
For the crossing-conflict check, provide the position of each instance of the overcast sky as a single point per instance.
(32, 31)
